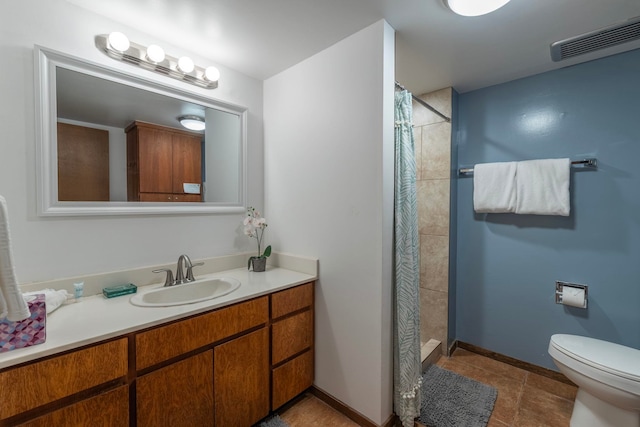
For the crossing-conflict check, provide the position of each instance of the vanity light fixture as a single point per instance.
(153, 58)
(118, 41)
(474, 7)
(155, 53)
(192, 122)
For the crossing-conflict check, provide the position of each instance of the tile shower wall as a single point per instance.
(433, 160)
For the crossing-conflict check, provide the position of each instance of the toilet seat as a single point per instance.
(606, 362)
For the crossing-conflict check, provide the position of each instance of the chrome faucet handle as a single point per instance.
(168, 281)
(190, 277)
(180, 279)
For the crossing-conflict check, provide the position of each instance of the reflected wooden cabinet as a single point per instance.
(160, 160)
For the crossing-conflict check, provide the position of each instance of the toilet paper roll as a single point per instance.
(574, 297)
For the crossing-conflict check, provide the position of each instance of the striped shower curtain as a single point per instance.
(406, 361)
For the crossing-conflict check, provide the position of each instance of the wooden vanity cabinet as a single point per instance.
(226, 383)
(292, 338)
(159, 161)
(226, 367)
(70, 386)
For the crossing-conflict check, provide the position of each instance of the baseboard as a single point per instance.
(545, 372)
(452, 348)
(349, 412)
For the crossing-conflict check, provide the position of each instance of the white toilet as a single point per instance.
(608, 380)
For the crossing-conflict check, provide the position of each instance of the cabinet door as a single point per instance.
(155, 160)
(241, 370)
(187, 161)
(178, 395)
(109, 409)
(83, 164)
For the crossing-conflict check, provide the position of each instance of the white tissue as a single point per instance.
(575, 297)
(53, 299)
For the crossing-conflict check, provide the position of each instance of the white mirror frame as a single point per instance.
(46, 142)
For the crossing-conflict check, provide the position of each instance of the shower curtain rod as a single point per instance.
(424, 104)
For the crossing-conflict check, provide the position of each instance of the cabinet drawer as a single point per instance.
(108, 409)
(291, 379)
(291, 335)
(290, 300)
(33, 385)
(166, 342)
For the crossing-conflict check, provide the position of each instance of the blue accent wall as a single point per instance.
(507, 264)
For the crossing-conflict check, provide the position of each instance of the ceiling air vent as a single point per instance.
(612, 35)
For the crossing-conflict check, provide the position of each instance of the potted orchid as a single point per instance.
(254, 225)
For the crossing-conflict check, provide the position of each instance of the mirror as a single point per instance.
(110, 143)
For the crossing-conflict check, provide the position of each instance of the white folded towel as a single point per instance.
(52, 298)
(543, 187)
(494, 187)
(12, 305)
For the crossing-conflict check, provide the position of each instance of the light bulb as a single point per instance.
(212, 74)
(185, 64)
(475, 7)
(155, 53)
(118, 41)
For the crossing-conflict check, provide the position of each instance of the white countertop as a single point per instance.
(96, 318)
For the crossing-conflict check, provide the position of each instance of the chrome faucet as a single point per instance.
(183, 261)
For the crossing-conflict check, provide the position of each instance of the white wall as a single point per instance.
(48, 248)
(329, 186)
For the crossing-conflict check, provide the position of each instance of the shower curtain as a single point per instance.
(407, 364)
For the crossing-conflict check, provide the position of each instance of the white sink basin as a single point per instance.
(187, 293)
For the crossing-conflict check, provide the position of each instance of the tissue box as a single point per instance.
(26, 332)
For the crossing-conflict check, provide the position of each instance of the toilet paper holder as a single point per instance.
(561, 285)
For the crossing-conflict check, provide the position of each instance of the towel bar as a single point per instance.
(591, 163)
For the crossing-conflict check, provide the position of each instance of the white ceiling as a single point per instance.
(435, 48)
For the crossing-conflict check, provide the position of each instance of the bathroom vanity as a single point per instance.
(226, 366)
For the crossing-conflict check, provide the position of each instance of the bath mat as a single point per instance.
(451, 400)
(274, 421)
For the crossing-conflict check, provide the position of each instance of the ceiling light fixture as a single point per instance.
(192, 122)
(474, 7)
(117, 46)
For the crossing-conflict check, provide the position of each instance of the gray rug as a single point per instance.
(451, 400)
(274, 421)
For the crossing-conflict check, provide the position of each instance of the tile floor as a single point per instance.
(313, 412)
(524, 399)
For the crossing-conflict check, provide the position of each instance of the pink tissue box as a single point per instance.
(28, 332)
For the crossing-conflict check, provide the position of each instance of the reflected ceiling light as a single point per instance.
(153, 58)
(474, 7)
(192, 122)
(155, 53)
